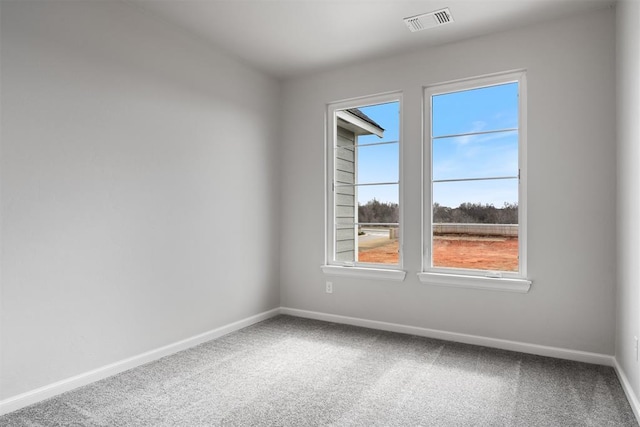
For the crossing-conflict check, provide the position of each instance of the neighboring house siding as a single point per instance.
(345, 196)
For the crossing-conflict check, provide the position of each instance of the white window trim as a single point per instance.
(476, 282)
(365, 272)
(359, 270)
(467, 278)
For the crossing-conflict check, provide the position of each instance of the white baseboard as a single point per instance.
(559, 353)
(20, 401)
(626, 386)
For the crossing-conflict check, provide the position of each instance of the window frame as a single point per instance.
(358, 269)
(471, 278)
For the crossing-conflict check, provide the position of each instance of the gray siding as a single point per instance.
(345, 208)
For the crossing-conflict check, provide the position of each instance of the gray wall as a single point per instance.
(628, 111)
(571, 195)
(139, 189)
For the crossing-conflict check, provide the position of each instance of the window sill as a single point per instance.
(364, 272)
(476, 282)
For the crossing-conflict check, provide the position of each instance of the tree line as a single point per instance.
(476, 213)
(375, 211)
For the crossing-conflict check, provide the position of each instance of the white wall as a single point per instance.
(628, 191)
(140, 185)
(571, 164)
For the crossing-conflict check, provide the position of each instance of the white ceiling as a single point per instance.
(286, 38)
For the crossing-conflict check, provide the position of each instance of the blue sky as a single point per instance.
(454, 157)
(379, 163)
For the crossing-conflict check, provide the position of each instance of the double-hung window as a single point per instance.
(363, 187)
(475, 183)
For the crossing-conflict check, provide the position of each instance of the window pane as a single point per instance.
(476, 156)
(378, 203)
(378, 245)
(378, 163)
(375, 244)
(476, 252)
(476, 110)
(345, 244)
(366, 156)
(497, 193)
(345, 166)
(388, 117)
(475, 225)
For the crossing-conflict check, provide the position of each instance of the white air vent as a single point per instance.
(428, 20)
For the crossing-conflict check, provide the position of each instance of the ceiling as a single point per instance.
(287, 38)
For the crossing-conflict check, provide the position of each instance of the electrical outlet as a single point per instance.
(329, 287)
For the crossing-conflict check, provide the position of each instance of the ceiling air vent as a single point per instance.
(429, 20)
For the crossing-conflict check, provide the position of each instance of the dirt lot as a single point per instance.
(458, 252)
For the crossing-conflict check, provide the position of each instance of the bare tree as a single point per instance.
(475, 213)
(374, 211)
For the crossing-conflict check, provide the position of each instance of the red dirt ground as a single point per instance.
(499, 254)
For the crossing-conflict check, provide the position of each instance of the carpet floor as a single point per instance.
(288, 371)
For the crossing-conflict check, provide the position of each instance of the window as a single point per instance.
(474, 213)
(363, 184)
